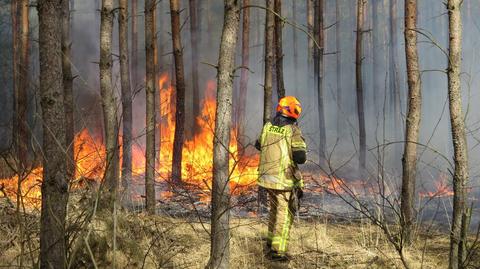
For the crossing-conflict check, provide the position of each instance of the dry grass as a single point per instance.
(161, 242)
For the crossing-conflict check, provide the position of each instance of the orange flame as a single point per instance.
(197, 153)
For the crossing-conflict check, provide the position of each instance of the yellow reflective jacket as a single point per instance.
(277, 170)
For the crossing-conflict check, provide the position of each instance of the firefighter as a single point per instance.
(282, 148)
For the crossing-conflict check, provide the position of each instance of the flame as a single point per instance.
(442, 189)
(197, 165)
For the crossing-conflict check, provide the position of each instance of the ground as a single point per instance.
(165, 242)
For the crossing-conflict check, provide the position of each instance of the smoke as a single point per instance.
(342, 137)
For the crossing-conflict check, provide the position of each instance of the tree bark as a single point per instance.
(311, 44)
(409, 160)
(460, 176)
(393, 72)
(68, 89)
(54, 184)
(150, 44)
(242, 103)
(295, 50)
(220, 218)
(359, 83)
(194, 40)
(20, 32)
(134, 36)
(269, 35)
(279, 50)
(109, 105)
(338, 56)
(180, 95)
(126, 94)
(318, 70)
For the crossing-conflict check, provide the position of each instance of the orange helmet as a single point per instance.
(290, 107)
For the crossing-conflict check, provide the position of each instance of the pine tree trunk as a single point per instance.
(180, 95)
(311, 44)
(126, 94)
(68, 89)
(134, 36)
(338, 56)
(109, 105)
(394, 73)
(20, 32)
(318, 70)
(279, 50)
(150, 45)
(409, 160)
(55, 184)
(460, 176)
(359, 83)
(220, 218)
(295, 51)
(242, 103)
(269, 35)
(194, 40)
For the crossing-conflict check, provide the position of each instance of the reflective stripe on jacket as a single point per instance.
(277, 170)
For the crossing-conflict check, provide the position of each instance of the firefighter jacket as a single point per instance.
(278, 144)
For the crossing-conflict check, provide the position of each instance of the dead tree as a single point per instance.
(55, 183)
(126, 94)
(359, 83)
(109, 106)
(134, 36)
(68, 88)
(150, 47)
(242, 103)
(409, 160)
(268, 79)
(180, 93)
(460, 176)
(318, 70)
(194, 41)
(279, 50)
(220, 218)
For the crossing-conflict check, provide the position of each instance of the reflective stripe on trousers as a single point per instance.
(280, 219)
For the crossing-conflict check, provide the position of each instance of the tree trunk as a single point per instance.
(242, 103)
(194, 39)
(134, 36)
(394, 73)
(269, 35)
(460, 176)
(109, 105)
(279, 50)
(20, 32)
(338, 56)
(180, 95)
(150, 44)
(68, 89)
(126, 95)
(311, 44)
(54, 184)
(220, 218)
(318, 70)
(359, 84)
(295, 50)
(409, 160)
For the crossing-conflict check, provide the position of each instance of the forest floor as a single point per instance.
(165, 242)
